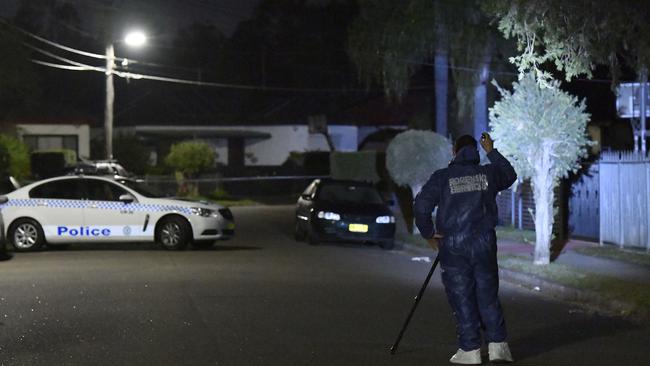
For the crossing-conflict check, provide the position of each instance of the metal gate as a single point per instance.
(584, 205)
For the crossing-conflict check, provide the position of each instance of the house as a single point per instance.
(267, 135)
(54, 134)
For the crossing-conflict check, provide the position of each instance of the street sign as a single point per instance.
(628, 100)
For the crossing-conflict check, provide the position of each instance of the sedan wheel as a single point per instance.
(26, 235)
(173, 233)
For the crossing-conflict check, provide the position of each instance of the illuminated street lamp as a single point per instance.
(132, 39)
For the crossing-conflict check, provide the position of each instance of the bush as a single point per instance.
(18, 157)
(191, 157)
(414, 155)
(360, 166)
(131, 154)
(50, 163)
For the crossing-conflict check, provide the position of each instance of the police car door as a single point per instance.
(109, 218)
(58, 207)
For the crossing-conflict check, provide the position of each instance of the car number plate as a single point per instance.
(358, 228)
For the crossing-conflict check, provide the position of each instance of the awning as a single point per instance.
(197, 132)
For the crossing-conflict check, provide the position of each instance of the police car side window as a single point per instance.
(65, 189)
(99, 190)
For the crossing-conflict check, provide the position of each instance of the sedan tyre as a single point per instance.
(26, 235)
(298, 233)
(387, 244)
(173, 233)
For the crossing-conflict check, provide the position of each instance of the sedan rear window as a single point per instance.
(349, 194)
(65, 189)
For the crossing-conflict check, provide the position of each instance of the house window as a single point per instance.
(52, 142)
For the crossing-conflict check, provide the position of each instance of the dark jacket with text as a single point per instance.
(465, 194)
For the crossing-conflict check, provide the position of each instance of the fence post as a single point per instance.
(646, 165)
(601, 203)
(512, 206)
(620, 203)
(520, 210)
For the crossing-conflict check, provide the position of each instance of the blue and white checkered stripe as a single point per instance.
(106, 205)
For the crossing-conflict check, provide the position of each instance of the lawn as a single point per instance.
(633, 293)
(640, 257)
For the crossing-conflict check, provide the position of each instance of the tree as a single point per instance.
(542, 131)
(190, 158)
(574, 36)
(391, 40)
(18, 83)
(412, 156)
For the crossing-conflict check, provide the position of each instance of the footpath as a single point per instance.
(602, 279)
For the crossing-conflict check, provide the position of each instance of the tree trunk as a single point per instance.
(415, 189)
(441, 75)
(480, 99)
(543, 184)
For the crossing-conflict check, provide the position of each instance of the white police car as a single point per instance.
(72, 209)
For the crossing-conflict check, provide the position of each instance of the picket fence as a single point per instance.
(625, 199)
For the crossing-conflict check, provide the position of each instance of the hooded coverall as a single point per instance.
(465, 195)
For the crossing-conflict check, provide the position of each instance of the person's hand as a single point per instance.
(434, 242)
(486, 142)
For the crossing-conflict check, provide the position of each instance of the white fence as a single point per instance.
(625, 199)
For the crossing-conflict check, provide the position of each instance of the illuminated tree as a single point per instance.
(414, 155)
(542, 132)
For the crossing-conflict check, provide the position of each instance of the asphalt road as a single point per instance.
(263, 299)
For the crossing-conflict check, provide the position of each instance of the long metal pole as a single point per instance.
(110, 97)
(643, 104)
(393, 349)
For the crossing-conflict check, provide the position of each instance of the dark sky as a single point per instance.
(225, 14)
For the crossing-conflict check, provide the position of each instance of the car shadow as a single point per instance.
(132, 247)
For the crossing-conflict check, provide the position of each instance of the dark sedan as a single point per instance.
(338, 210)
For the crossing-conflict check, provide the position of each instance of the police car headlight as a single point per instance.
(328, 215)
(203, 212)
(385, 220)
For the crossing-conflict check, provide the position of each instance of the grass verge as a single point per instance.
(235, 203)
(637, 295)
(514, 234)
(640, 257)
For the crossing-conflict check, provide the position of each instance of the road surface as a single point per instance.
(264, 299)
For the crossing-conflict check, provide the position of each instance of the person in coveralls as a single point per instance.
(465, 194)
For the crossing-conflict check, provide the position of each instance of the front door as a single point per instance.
(110, 219)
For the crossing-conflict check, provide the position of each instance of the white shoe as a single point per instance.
(500, 352)
(467, 357)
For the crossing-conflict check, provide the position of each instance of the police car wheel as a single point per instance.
(26, 235)
(173, 233)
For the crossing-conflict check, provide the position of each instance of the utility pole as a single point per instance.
(110, 98)
(643, 104)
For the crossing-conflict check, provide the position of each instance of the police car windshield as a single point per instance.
(143, 189)
(349, 194)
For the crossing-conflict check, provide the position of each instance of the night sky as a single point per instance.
(160, 14)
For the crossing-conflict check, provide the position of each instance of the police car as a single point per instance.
(79, 208)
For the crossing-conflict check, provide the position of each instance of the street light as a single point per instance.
(132, 39)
